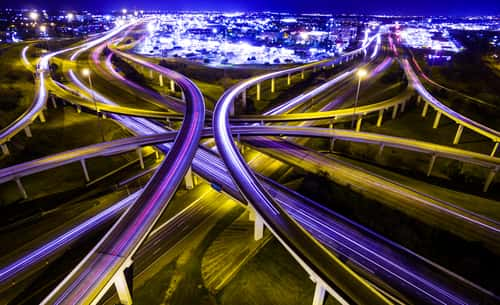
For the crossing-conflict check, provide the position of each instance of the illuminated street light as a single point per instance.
(70, 16)
(34, 16)
(86, 73)
(43, 29)
(361, 74)
(124, 11)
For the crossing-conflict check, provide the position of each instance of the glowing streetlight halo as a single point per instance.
(33, 16)
(362, 73)
(86, 72)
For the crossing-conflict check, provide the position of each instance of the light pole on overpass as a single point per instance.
(361, 73)
(86, 72)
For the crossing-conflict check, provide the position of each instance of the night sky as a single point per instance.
(408, 7)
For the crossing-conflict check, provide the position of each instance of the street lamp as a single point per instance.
(361, 73)
(34, 16)
(86, 73)
(70, 17)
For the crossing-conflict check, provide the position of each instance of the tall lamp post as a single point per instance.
(361, 74)
(86, 72)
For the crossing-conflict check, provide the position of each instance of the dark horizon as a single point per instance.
(390, 7)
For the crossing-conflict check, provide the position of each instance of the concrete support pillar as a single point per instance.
(395, 111)
(27, 131)
(231, 109)
(157, 155)
(139, 154)
(21, 188)
(424, 110)
(332, 144)
(160, 79)
(330, 125)
(85, 171)
(319, 294)
(492, 152)
(122, 289)
(403, 104)
(358, 123)
(251, 212)
(53, 99)
(302, 76)
(489, 179)
(419, 100)
(151, 74)
(273, 85)
(78, 109)
(41, 116)
(380, 117)
(172, 85)
(314, 69)
(431, 164)
(460, 129)
(436, 120)
(380, 150)
(289, 79)
(258, 227)
(188, 179)
(258, 91)
(5, 149)
(244, 99)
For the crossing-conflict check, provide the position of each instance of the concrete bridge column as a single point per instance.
(53, 99)
(489, 179)
(258, 91)
(431, 164)
(231, 109)
(251, 212)
(494, 150)
(160, 79)
(332, 144)
(122, 289)
(358, 123)
(314, 69)
(319, 294)
(27, 131)
(395, 111)
(458, 134)
(273, 85)
(259, 227)
(41, 116)
(289, 79)
(151, 75)
(21, 188)
(244, 99)
(78, 109)
(141, 159)
(380, 117)
(302, 76)
(188, 179)
(403, 104)
(426, 107)
(380, 150)
(172, 85)
(436, 120)
(5, 149)
(419, 100)
(85, 171)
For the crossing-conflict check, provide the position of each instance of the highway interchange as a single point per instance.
(339, 255)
